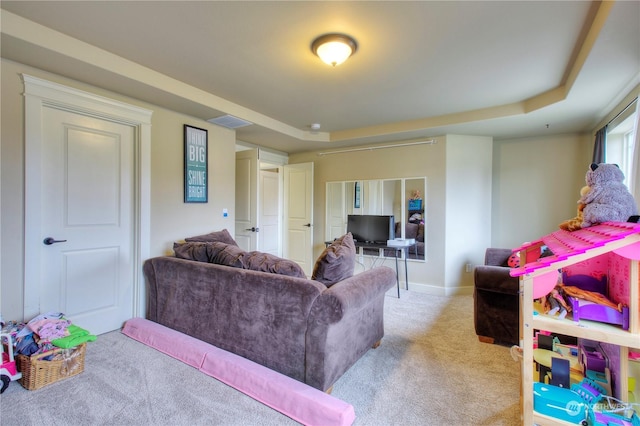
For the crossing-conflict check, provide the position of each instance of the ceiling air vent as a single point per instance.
(229, 121)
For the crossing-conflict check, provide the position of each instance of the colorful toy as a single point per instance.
(560, 403)
(514, 260)
(594, 306)
(589, 390)
(586, 403)
(608, 199)
(610, 411)
(576, 223)
(602, 379)
(8, 370)
(557, 303)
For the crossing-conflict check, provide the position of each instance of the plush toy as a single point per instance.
(608, 199)
(514, 260)
(576, 223)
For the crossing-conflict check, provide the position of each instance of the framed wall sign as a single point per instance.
(195, 165)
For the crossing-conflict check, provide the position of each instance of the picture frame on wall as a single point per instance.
(196, 167)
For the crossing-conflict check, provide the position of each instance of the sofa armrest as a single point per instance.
(496, 279)
(354, 293)
(151, 290)
(346, 320)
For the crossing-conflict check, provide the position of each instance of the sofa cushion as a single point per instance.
(231, 255)
(211, 252)
(336, 262)
(266, 262)
(226, 254)
(411, 230)
(191, 251)
(222, 236)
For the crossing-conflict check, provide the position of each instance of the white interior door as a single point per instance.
(87, 181)
(298, 215)
(87, 206)
(247, 225)
(269, 211)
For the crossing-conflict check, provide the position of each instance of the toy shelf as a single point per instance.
(542, 420)
(586, 329)
(613, 248)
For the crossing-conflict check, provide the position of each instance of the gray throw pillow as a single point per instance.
(226, 254)
(191, 251)
(266, 262)
(336, 262)
(211, 252)
(222, 236)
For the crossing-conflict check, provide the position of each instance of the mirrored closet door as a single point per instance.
(404, 198)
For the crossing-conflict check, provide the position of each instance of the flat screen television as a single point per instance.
(371, 228)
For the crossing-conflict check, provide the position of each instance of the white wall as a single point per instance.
(171, 219)
(480, 193)
(468, 211)
(458, 172)
(400, 162)
(536, 184)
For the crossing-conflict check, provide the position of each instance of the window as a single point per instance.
(621, 141)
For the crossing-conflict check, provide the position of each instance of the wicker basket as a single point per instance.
(38, 372)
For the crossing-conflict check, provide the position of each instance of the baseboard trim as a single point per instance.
(439, 290)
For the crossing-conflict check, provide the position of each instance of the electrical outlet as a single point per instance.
(468, 268)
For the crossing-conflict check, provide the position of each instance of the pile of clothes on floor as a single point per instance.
(47, 332)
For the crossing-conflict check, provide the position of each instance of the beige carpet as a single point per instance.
(429, 370)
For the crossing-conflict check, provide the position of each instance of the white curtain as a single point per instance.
(635, 165)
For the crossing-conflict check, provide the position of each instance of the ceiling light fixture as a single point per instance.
(334, 49)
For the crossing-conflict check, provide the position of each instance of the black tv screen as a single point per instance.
(371, 228)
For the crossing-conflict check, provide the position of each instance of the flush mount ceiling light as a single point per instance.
(334, 49)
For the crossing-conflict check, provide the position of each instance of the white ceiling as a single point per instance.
(505, 69)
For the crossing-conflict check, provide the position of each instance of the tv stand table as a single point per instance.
(397, 251)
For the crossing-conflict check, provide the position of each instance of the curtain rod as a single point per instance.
(371, 148)
(623, 110)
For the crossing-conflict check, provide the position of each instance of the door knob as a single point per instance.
(253, 229)
(49, 240)
(308, 225)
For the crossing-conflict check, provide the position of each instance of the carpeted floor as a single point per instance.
(429, 370)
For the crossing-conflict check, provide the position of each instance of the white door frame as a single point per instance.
(40, 94)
